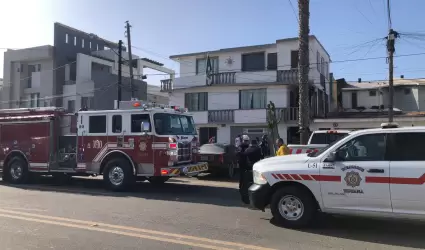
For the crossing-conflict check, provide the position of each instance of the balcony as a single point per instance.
(287, 76)
(221, 116)
(287, 114)
(166, 85)
(223, 78)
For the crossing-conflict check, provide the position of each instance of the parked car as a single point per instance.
(221, 158)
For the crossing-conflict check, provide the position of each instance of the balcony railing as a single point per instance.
(221, 116)
(288, 76)
(223, 78)
(287, 114)
(166, 85)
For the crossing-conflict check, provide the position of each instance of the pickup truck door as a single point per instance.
(407, 176)
(358, 178)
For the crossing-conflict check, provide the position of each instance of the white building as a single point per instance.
(244, 81)
(365, 105)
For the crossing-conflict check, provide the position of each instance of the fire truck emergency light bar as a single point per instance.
(136, 104)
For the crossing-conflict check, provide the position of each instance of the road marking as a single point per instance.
(181, 242)
(89, 225)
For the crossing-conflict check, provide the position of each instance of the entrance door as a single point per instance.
(349, 182)
(205, 133)
(353, 100)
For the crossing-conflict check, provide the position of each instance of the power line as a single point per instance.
(46, 70)
(64, 95)
(339, 61)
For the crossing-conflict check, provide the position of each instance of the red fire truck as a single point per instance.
(138, 141)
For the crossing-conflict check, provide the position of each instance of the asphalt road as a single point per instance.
(184, 214)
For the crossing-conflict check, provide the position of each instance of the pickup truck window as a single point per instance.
(370, 147)
(326, 138)
(407, 147)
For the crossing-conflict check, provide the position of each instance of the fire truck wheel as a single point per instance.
(118, 174)
(157, 180)
(293, 207)
(16, 170)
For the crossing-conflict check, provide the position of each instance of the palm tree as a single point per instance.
(303, 69)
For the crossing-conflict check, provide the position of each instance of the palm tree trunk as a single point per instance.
(303, 69)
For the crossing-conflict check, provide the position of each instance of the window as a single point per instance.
(97, 46)
(90, 44)
(253, 62)
(71, 106)
(136, 122)
(97, 124)
(75, 41)
(322, 65)
(116, 124)
(252, 99)
(82, 43)
(318, 61)
(31, 69)
(406, 91)
(407, 147)
(196, 101)
(363, 148)
(326, 138)
(66, 38)
(272, 61)
(201, 65)
(38, 67)
(173, 124)
(35, 100)
(87, 102)
(372, 93)
(294, 59)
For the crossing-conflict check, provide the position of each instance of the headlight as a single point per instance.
(259, 178)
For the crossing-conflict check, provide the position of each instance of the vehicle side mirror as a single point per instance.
(145, 127)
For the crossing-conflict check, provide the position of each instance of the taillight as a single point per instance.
(221, 157)
(172, 145)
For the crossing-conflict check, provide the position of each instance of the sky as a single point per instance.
(348, 29)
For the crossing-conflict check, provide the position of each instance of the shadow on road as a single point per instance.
(180, 190)
(382, 231)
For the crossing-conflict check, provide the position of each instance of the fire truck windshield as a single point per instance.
(174, 124)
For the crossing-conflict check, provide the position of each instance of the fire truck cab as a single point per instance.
(137, 141)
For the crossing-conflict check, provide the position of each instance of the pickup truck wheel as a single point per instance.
(118, 175)
(157, 180)
(16, 171)
(292, 207)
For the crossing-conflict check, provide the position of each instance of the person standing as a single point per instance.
(282, 148)
(253, 155)
(242, 159)
(238, 141)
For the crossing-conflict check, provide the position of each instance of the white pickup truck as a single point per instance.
(318, 139)
(372, 172)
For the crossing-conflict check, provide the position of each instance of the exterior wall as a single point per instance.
(16, 80)
(97, 78)
(410, 101)
(66, 52)
(227, 97)
(283, 49)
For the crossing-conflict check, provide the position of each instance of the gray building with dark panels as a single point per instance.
(68, 42)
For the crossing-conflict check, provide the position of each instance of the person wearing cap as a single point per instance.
(253, 155)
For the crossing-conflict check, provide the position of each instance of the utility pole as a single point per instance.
(119, 72)
(303, 70)
(392, 35)
(130, 57)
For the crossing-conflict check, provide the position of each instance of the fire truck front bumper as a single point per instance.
(185, 170)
